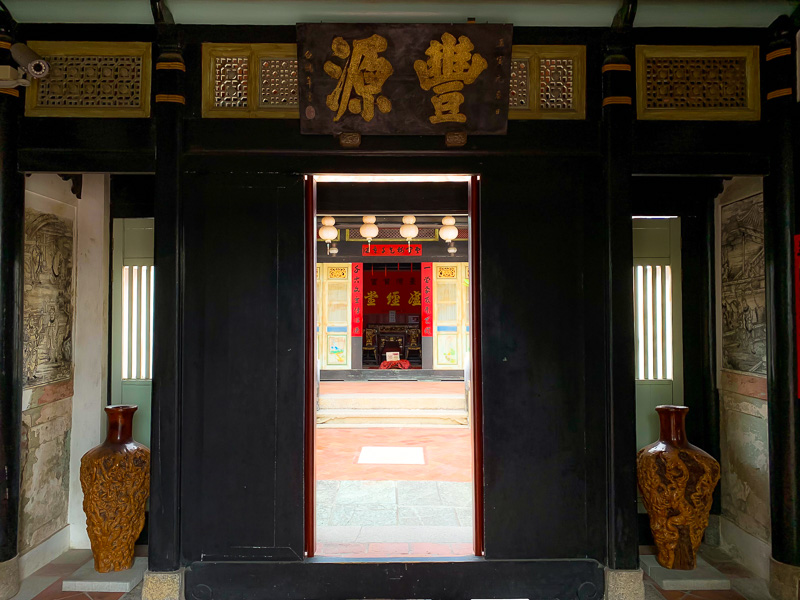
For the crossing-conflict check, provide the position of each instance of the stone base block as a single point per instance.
(784, 581)
(86, 579)
(624, 585)
(9, 578)
(703, 577)
(162, 586)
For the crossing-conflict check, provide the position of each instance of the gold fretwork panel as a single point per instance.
(446, 272)
(698, 83)
(250, 80)
(92, 79)
(337, 272)
(548, 82)
(392, 234)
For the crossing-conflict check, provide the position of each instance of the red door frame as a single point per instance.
(310, 365)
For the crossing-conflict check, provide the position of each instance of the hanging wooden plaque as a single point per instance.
(426, 79)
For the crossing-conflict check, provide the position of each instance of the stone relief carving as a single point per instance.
(47, 305)
(743, 309)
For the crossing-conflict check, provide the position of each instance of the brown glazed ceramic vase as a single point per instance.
(676, 481)
(115, 477)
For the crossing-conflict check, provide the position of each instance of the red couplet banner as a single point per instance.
(797, 305)
(391, 250)
(427, 299)
(357, 319)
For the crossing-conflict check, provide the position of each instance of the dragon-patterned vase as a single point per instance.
(676, 480)
(115, 477)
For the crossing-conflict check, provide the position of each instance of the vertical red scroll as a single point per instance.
(797, 305)
(357, 304)
(427, 299)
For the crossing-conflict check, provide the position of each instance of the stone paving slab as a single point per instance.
(86, 579)
(703, 577)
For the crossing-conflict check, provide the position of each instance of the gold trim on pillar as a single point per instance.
(778, 53)
(251, 73)
(698, 83)
(10, 92)
(176, 98)
(92, 79)
(569, 60)
(170, 66)
(5, 45)
(615, 67)
(779, 93)
(617, 100)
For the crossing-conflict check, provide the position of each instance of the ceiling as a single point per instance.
(569, 13)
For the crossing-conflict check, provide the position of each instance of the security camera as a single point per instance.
(33, 64)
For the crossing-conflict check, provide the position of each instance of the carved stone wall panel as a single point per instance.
(48, 297)
(548, 82)
(697, 82)
(92, 79)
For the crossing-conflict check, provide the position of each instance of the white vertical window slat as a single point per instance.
(137, 321)
(125, 320)
(150, 313)
(134, 321)
(668, 318)
(638, 274)
(652, 289)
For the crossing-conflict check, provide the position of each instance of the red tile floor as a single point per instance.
(447, 450)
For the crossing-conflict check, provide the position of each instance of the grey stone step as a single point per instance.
(392, 401)
(417, 416)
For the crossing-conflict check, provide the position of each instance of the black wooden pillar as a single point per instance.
(621, 408)
(164, 526)
(12, 222)
(780, 235)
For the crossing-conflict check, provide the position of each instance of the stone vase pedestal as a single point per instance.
(115, 477)
(676, 480)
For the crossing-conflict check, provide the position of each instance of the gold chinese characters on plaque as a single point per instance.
(403, 79)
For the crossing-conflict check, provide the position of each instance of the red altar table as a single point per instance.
(395, 364)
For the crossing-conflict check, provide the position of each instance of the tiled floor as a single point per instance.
(45, 584)
(447, 450)
(373, 510)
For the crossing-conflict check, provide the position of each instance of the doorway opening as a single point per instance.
(393, 415)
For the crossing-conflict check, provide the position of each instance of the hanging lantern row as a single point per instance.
(369, 231)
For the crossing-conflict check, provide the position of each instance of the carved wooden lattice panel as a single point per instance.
(697, 82)
(446, 272)
(556, 80)
(278, 82)
(391, 234)
(548, 82)
(92, 79)
(519, 86)
(337, 272)
(230, 81)
(250, 80)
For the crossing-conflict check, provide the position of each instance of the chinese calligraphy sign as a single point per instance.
(425, 79)
(391, 250)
